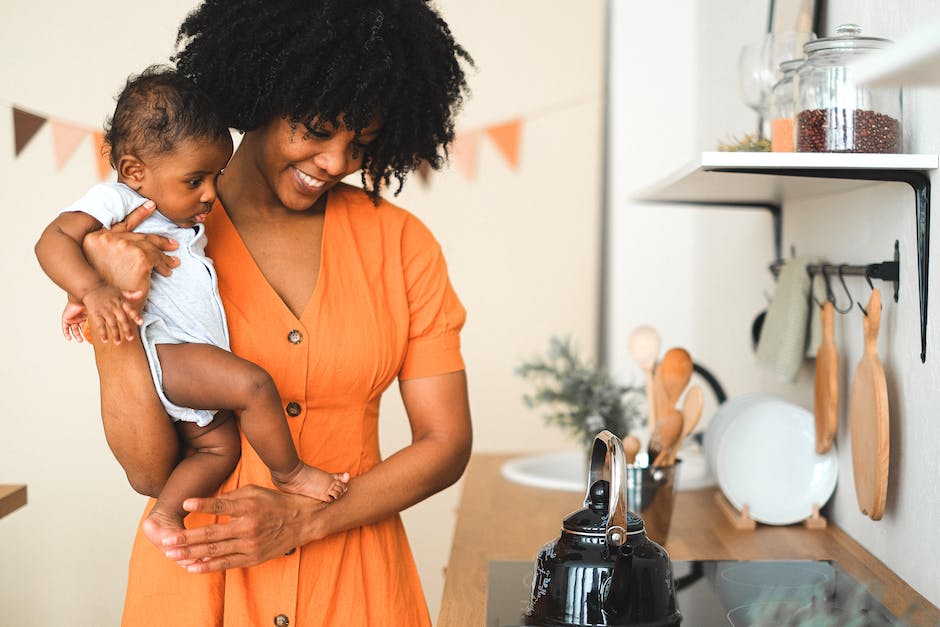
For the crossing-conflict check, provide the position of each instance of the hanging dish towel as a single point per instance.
(782, 343)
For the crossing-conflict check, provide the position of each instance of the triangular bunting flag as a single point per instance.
(506, 138)
(25, 126)
(101, 155)
(465, 153)
(424, 173)
(65, 139)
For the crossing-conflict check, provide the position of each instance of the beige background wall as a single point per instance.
(522, 248)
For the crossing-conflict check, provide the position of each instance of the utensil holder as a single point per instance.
(651, 493)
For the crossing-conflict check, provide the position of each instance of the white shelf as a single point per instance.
(697, 182)
(911, 61)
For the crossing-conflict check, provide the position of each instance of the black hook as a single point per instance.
(812, 285)
(870, 284)
(847, 293)
(829, 295)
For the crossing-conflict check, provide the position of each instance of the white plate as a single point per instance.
(766, 459)
(726, 412)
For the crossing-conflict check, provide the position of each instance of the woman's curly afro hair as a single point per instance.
(314, 60)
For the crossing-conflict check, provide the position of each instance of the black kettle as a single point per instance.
(603, 570)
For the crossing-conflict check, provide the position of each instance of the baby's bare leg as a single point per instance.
(214, 451)
(202, 376)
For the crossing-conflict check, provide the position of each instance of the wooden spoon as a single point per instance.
(868, 413)
(674, 372)
(643, 345)
(668, 430)
(631, 446)
(826, 385)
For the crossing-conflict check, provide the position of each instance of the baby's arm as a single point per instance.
(59, 250)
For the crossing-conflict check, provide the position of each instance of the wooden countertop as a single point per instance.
(12, 497)
(501, 520)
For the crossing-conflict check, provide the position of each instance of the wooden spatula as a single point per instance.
(826, 396)
(691, 411)
(868, 413)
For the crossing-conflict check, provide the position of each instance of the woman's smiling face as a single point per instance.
(300, 162)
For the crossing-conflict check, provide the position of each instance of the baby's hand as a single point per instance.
(73, 317)
(110, 312)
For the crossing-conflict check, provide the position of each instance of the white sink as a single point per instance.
(567, 470)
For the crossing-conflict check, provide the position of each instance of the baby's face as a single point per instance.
(182, 182)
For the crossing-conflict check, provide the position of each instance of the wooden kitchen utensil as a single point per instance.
(674, 372)
(826, 395)
(691, 411)
(631, 446)
(669, 428)
(643, 345)
(868, 414)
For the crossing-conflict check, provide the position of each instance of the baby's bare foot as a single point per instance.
(159, 525)
(315, 483)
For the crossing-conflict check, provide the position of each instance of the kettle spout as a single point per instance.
(617, 595)
(640, 589)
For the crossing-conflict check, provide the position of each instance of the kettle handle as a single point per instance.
(608, 461)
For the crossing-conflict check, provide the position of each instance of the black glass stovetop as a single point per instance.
(728, 593)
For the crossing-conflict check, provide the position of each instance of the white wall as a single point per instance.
(522, 248)
(704, 292)
(697, 276)
(861, 228)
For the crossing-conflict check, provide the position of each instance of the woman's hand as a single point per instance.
(262, 524)
(124, 258)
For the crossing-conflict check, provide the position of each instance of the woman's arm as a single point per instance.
(265, 524)
(137, 428)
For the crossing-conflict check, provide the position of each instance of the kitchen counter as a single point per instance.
(12, 497)
(501, 520)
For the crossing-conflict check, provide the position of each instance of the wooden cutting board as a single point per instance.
(826, 395)
(868, 414)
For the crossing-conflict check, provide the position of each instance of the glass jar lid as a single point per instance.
(790, 66)
(848, 36)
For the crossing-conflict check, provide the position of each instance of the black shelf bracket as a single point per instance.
(919, 182)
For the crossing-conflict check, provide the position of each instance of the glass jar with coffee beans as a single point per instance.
(834, 114)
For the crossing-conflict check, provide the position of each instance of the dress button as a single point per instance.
(281, 620)
(293, 409)
(295, 336)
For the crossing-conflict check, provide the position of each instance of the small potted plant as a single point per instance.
(580, 397)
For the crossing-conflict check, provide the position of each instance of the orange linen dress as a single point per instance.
(383, 307)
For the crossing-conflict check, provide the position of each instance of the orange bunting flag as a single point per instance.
(465, 153)
(506, 138)
(102, 156)
(25, 126)
(65, 139)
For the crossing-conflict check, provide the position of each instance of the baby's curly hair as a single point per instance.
(155, 111)
(314, 60)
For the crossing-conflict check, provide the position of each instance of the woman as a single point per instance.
(330, 289)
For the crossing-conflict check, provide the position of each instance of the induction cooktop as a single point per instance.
(728, 593)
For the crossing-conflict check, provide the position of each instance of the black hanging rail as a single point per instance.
(884, 270)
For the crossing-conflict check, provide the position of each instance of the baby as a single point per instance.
(169, 145)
